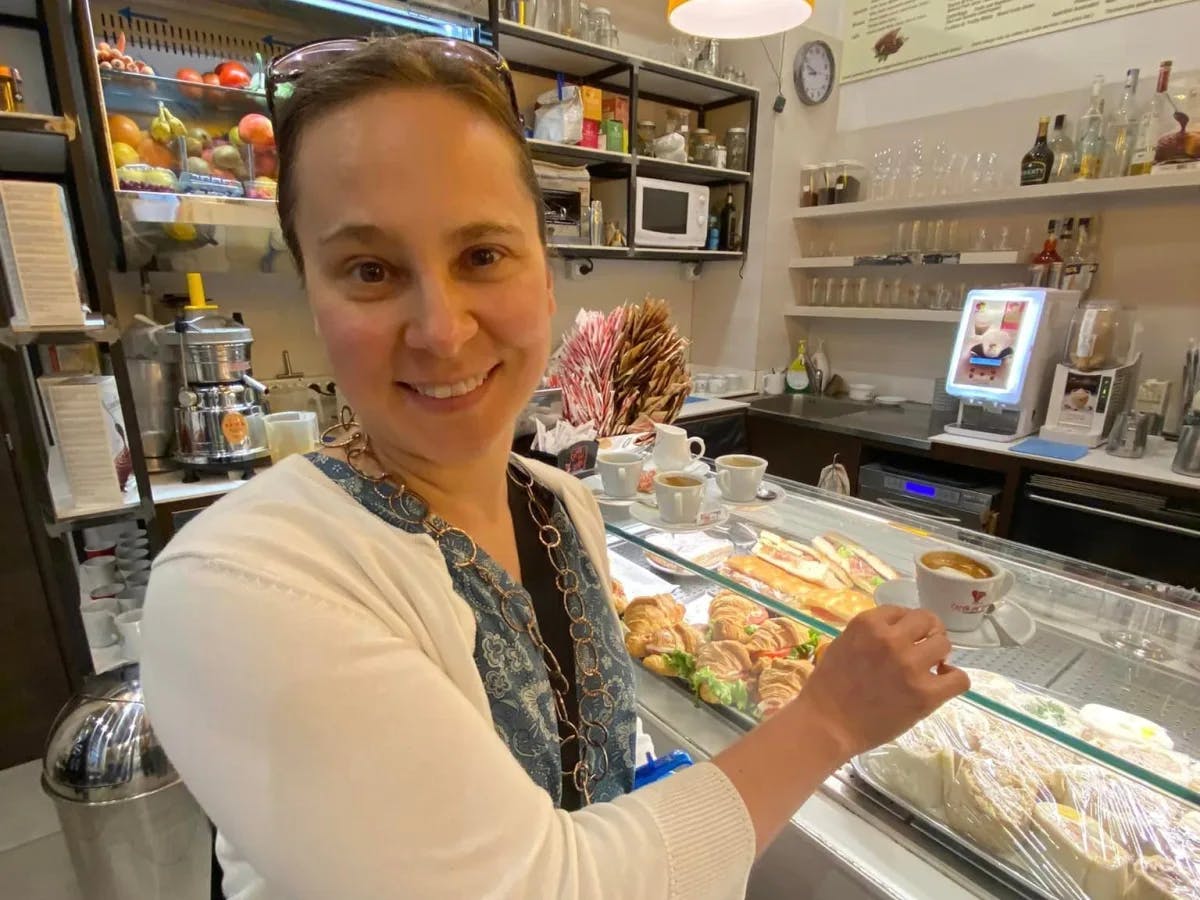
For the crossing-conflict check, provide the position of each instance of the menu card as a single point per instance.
(37, 250)
(88, 431)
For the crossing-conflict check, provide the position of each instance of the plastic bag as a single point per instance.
(672, 147)
(559, 118)
(834, 478)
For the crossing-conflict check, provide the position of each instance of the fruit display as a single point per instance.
(113, 56)
(143, 177)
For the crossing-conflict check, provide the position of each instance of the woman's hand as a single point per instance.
(884, 674)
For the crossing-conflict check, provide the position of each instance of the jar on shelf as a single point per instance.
(11, 96)
(737, 148)
(602, 27)
(811, 183)
(847, 181)
(703, 150)
(826, 180)
(645, 138)
(722, 157)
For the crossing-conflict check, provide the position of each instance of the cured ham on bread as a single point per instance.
(864, 568)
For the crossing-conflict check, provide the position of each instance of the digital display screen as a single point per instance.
(665, 212)
(985, 361)
(925, 490)
(991, 349)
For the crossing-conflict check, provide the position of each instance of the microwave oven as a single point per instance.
(670, 214)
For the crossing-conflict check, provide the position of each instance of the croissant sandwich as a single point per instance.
(731, 617)
(645, 616)
(779, 682)
(671, 651)
(780, 636)
(723, 673)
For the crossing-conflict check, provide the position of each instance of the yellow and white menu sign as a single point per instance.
(889, 35)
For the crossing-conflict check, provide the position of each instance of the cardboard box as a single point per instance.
(593, 104)
(591, 134)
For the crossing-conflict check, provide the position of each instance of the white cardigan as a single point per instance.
(310, 671)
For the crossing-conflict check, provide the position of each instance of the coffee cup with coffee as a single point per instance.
(739, 475)
(959, 587)
(620, 471)
(679, 496)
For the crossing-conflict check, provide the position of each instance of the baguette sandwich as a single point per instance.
(770, 580)
(799, 560)
(864, 568)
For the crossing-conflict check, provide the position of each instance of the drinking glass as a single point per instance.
(940, 166)
(959, 298)
(916, 236)
(816, 292)
(1002, 239)
(939, 296)
(879, 292)
(832, 296)
(859, 292)
(980, 243)
(937, 237)
(915, 189)
(895, 292)
(989, 179)
(952, 245)
(915, 296)
(845, 293)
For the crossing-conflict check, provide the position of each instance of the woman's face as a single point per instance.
(425, 271)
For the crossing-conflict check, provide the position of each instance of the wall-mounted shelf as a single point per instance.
(1163, 187)
(196, 209)
(985, 258)
(605, 163)
(97, 329)
(32, 144)
(689, 172)
(589, 251)
(880, 313)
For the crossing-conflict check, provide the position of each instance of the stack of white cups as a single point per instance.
(112, 581)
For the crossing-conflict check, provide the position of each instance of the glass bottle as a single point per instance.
(730, 239)
(1141, 161)
(1122, 131)
(1045, 269)
(1080, 266)
(1036, 165)
(1063, 147)
(1091, 141)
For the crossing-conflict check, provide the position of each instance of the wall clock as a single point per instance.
(814, 73)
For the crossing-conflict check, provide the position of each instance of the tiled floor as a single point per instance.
(33, 855)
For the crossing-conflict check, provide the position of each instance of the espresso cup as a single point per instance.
(129, 627)
(620, 471)
(126, 559)
(98, 621)
(739, 475)
(127, 568)
(92, 549)
(959, 587)
(133, 597)
(679, 496)
(128, 545)
(97, 571)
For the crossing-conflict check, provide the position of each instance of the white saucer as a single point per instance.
(710, 515)
(594, 484)
(1019, 624)
(776, 495)
(697, 468)
(889, 400)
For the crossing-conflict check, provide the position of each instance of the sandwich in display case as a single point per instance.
(1070, 770)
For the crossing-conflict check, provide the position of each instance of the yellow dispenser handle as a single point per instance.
(196, 298)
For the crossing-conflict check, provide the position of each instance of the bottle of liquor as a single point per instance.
(1091, 140)
(1122, 131)
(1064, 151)
(1141, 161)
(714, 234)
(1170, 134)
(1045, 270)
(730, 238)
(1035, 166)
(1080, 265)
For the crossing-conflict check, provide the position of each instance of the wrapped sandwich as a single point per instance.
(1082, 849)
(1164, 878)
(800, 560)
(915, 766)
(991, 802)
(866, 570)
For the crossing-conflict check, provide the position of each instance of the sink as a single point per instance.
(808, 407)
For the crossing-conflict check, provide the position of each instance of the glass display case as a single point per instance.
(1072, 767)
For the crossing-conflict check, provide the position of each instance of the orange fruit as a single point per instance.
(154, 153)
(124, 130)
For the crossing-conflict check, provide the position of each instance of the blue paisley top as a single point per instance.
(511, 666)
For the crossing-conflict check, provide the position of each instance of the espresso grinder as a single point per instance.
(219, 425)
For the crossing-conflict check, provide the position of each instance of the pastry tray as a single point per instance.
(1021, 879)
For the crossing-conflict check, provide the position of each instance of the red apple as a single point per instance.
(256, 129)
(211, 78)
(190, 75)
(233, 74)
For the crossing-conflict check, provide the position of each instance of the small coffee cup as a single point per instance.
(773, 383)
(92, 549)
(679, 496)
(96, 571)
(959, 587)
(739, 475)
(620, 471)
(127, 568)
(126, 560)
(133, 597)
(98, 621)
(140, 578)
(129, 626)
(129, 545)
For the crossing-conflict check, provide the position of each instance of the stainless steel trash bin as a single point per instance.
(133, 830)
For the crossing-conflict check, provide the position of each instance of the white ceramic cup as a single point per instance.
(126, 559)
(773, 382)
(128, 545)
(739, 475)
(127, 568)
(140, 578)
(959, 599)
(98, 621)
(129, 626)
(673, 448)
(863, 392)
(92, 549)
(619, 471)
(131, 598)
(105, 591)
(678, 503)
(97, 571)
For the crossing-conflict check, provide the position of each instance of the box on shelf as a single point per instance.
(615, 108)
(593, 112)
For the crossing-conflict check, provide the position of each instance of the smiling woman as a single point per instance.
(392, 668)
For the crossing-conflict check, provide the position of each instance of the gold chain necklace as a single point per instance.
(591, 732)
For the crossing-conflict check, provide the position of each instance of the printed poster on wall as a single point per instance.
(890, 35)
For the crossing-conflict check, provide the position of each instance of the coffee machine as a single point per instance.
(219, 424)
(1007, 342)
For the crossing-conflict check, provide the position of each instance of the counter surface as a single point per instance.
(168, 487)
(1154, 466)
(905, 426)
(707, 406)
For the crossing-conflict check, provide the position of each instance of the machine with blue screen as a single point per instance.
(1004, 350)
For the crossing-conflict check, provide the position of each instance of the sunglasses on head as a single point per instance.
(284, 72)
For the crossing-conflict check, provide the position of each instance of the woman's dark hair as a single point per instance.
(383, 64)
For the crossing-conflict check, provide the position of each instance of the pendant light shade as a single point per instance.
(737, 18)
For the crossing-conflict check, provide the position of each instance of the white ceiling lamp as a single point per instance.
(737, 18)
